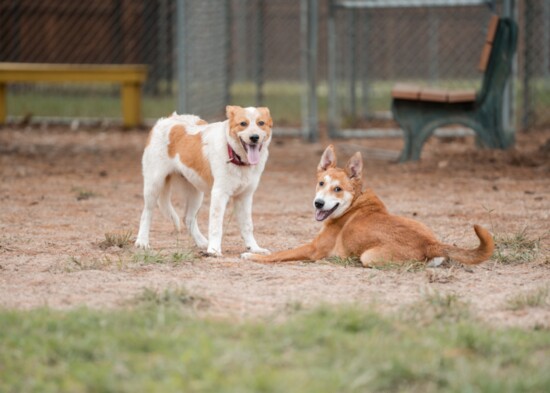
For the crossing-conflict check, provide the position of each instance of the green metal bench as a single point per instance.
(419, 111)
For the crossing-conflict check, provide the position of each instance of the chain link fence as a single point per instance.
(375, 48)
(534, 63)
(204, 54)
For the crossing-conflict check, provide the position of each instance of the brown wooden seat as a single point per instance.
(417, 93)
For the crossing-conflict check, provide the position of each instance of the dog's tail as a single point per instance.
(467, 257)
(165, 203)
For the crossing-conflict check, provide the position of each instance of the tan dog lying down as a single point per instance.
(357, 224)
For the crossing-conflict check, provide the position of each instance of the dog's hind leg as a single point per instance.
(152, 185)
(194, 199)
(165, 203)
(375, 256)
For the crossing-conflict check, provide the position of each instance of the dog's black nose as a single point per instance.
(254, 138)
(319, 203)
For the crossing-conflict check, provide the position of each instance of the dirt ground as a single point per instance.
(62, 190)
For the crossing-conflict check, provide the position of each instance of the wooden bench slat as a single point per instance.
(431, 94)
(492, 29)
(406, 92)
(485, 54)
(55, 73)
(466, 95)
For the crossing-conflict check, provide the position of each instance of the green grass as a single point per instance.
(82, 194)
(345, 262)
(516, 248)
(152, 257)
(539, 297)
(118, 239)
(156, 345)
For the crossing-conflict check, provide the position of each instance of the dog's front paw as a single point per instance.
(141, 244)
(258, 250)
(212, 252)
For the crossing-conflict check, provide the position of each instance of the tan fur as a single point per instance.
(201, 122)
(368, 231)
(189, 148)
(236, 115)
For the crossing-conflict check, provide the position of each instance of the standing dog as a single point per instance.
(357, 224)
(226, 158)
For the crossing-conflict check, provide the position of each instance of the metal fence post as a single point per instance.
(162, 23)
(260, 42)
(312, 71)
(508, 115)
(308, 31)
(304, 66)
(181, 68)
(528, 66)
(364, 65)
(331, 48)
(352, 41)
(228, 49)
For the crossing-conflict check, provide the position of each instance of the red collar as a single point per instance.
(234, 158)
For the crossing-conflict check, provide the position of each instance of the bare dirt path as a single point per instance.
(61, 191)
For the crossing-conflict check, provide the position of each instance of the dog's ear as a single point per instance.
(230, 110)
(354, 168)
(328, 159)
(264, 111)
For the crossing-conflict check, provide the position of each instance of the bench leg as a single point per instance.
(131, 104)
(407, 145)
(3, 103)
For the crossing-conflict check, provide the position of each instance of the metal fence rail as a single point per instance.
(285, 54)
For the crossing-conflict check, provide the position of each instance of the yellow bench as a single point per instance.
(130, 76)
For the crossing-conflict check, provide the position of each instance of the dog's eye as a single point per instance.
(261, 123)
(244, 123)
(321, 183)
(337, 189)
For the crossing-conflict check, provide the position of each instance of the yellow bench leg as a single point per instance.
(131, 104)
(3, 105)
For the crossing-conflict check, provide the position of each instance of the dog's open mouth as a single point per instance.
(252, 152)
(321, 215)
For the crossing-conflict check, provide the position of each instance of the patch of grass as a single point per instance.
(178, 297)
(118, 239)
(539, 297)
(83, 194)
(83, 263)
(150, 257)
(183, 256)
(436, 306)
(515, 248)
(155, 347)
(407, 266)
(345, 262)
(442, 276)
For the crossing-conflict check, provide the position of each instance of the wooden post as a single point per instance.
(131, 104)
(3, 101)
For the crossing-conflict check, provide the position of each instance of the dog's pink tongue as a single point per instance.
(253, 154)
(320, 215)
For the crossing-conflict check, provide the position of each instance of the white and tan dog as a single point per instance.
(225, 158)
